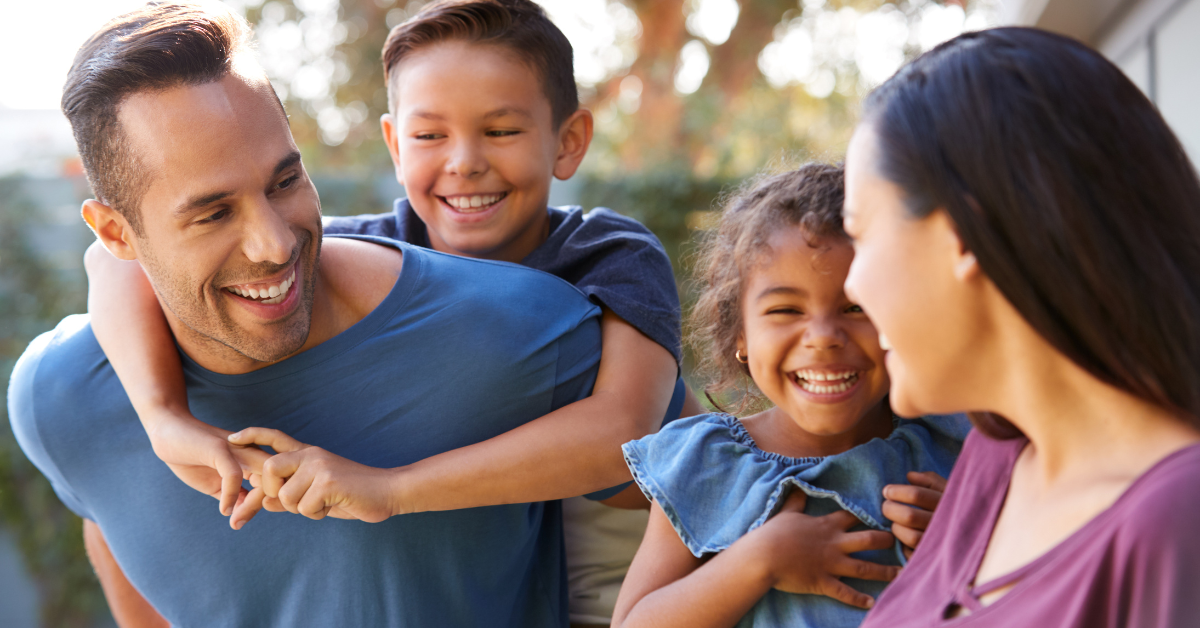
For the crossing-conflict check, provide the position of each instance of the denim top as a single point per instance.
(715, 485)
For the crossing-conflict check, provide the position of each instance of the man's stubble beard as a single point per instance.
(206, 319)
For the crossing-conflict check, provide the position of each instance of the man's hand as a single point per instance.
(310, 481)
(911, 506)
(200, 456)
(808, 554)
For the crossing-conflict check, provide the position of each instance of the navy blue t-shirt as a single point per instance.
(614, 260)
(460, 351)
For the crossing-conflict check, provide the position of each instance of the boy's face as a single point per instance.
(474, 145)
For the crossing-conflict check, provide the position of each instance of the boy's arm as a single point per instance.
(129, 325)
(128, 607)
(572, 451)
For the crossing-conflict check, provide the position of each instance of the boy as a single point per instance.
(483, 111)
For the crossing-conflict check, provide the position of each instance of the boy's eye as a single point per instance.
(502, 133)
(428, 136)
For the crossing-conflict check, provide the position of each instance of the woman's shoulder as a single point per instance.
(1159, 509)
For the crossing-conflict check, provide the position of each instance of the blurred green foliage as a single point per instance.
(33, 298)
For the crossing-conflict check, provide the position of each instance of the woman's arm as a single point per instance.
(572, 451)
(129, 325)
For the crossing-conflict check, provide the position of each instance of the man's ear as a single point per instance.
(388, 123)
(111, 228)
(574, 137)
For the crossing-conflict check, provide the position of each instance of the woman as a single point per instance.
(1027, 235)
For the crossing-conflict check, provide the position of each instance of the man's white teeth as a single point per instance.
(838, 382)
(471, 202)
(270, 295)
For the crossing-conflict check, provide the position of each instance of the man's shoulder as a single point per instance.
(64, 350)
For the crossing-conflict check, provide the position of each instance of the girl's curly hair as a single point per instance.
(809, 197)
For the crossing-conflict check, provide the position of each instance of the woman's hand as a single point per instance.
(806, 554)
(911, 506)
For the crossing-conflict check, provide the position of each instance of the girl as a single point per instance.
(1017, 201)
(773, 308)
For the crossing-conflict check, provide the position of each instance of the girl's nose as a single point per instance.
(824, 332)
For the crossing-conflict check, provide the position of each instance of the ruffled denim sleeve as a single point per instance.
(715, 484)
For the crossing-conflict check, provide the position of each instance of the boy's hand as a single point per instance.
(310, 481)
(808, 554)
(911, 506)
(200, 456)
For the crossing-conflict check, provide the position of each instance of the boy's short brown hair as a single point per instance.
(521, 26)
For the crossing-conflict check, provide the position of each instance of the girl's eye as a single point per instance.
(854, 309)
(784, 310)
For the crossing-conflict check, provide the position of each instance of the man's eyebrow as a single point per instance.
(788, 290)
(204, 200)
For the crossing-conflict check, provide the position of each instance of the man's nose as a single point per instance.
(268, 237)
(824, 332)
(467, 159)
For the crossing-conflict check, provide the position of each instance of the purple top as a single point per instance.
(1135, 564)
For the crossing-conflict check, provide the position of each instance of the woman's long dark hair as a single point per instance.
(1077, 200)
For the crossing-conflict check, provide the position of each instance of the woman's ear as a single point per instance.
(964, 263)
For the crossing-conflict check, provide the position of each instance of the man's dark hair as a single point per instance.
(158, 46)
(1075, 197)
(520, 26)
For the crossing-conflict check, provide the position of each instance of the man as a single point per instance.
(379, 352)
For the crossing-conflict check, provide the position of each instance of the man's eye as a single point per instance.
(288, 182)
(214, 217)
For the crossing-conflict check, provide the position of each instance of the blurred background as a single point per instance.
(690, 96)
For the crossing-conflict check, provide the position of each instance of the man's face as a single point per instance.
(231, 224)
(475, 147)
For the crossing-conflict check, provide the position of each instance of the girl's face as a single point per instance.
(913, 277)
(811, 350)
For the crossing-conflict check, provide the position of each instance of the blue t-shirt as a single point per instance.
(460, 351)
(715, 485)
(614, 260)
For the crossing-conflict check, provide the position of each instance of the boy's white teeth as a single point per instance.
(270, 295)
(837, 382)
(472, 202)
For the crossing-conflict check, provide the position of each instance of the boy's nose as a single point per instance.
(268, 237)
(466, 160)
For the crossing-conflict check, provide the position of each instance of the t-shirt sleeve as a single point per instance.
(22, 412)
(383, 225)
(619, 264)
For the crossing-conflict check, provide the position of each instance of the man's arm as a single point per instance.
(572, 451)
(128, 607)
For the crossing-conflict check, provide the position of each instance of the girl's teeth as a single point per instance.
(809, 384)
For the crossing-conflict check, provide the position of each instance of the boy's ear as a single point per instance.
(111, 228)
(388, 123)
(574, 137)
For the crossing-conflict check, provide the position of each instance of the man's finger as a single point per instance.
(314, 504)
(907, 515)
(270, 504)
(842, 592)
(294, 489)
(918, 496)
(246, 509)
(865, 570)
(864, 540)
(264, 437)
(250, 458)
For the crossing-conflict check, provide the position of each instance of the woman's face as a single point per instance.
(915, 281)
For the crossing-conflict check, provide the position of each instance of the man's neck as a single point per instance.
(351, 280)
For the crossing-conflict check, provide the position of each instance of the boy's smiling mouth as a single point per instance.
(473, 203)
